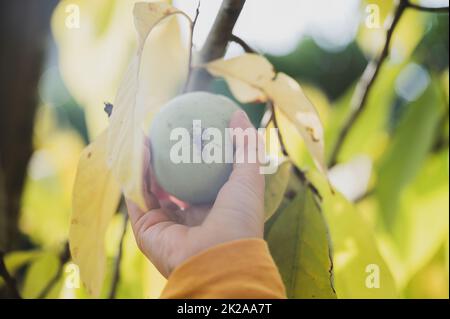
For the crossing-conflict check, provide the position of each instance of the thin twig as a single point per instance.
(366, 83)
(266, 119)
(116, 275)
(191, 46)
(216, 42)
(277, 127)
(10, 282)
(247, 48)
(427, 9)
(63, 259)
(297, 171)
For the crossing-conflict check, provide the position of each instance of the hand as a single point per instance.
(169, 235)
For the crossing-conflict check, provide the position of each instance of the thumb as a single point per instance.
(243, 193)
(246, 142)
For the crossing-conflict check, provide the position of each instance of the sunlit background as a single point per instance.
(399, 145)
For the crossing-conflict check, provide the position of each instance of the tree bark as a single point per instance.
(24, 31)
(217, 42)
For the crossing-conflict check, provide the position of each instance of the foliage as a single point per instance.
(325, 245)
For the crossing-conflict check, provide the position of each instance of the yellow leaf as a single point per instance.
(95, 200)
(245, 75)
(135, 101)
(288, 97)
(251, 78)
(99, 36)
(148, 15)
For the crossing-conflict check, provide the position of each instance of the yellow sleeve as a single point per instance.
(242, 269)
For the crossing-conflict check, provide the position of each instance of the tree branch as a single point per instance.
(371, 73)
(366, 82)
(191, 46)
(116, 275)
(216, 42)
(10, 282)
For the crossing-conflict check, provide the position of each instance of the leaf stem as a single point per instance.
(247, 48)
(297, 171)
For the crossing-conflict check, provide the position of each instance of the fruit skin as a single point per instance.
(195, 183)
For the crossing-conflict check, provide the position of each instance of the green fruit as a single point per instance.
(195, 183)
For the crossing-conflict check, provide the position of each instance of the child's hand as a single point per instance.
(168, 235)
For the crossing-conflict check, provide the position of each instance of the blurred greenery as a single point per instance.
(401, 224)
(333, 72)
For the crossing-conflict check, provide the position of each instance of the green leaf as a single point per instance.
(39, 274)
(17, 259)
(355, 249)
(407, 152)
(276, 185)
(299, 243)
(423, 218)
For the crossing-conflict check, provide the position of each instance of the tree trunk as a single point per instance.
(24, 31)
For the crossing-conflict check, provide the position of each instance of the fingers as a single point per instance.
(242, 196)
(142, 223)
(247, 144)
(149, 230)
(155, 196)
(151, 200)
(191, 216)
(137, 215)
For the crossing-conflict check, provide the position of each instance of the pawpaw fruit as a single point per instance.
(191, 181)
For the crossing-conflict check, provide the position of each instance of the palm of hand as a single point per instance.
(172, 233)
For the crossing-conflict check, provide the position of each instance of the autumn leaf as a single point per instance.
(245, 75)
(104, 35)
(95, 200)
(105, 167)
(299, 242)
(251, 78)
(289, 98)
(126, 137)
